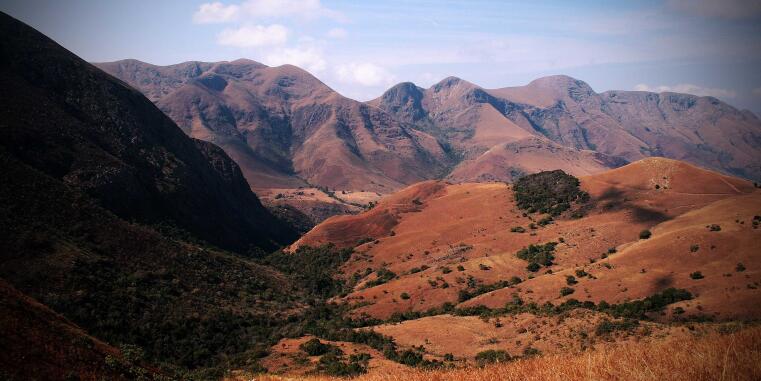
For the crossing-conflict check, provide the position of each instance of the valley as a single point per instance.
(233, 221)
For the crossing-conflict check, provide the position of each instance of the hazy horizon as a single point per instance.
(360, 50)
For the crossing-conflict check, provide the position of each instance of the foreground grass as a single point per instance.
(714, 356)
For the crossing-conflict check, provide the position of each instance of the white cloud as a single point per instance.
(688, 88)
(365, 74)
(210, 13)
(724, 9)
(250, 36)
(338, 33)
(757, 91)
(306, 56)
(217, 12)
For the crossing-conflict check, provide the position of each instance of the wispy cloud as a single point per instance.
(217, 12)
(212, 13)
(365, 74)
(251, 36)
(689, 88)
(308, 55)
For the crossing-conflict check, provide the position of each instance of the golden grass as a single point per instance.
(713, 356)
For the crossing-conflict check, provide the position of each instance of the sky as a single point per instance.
(361, 48)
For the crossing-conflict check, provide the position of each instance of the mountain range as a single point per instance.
(286, 128)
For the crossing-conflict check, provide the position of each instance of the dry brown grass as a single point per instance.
(714, 356)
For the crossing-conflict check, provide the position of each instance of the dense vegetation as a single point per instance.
(314, 268)
(550, 192)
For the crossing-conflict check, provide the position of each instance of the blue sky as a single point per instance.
(360, 48)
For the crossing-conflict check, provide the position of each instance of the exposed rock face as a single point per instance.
(69, 120)
(285, 128)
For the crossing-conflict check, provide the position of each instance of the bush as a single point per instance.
(383, 275)
(606, 326)
(550, 192)
(404, 296)
(571, 280)
(492, 356)
(740, 268)
(314, 347)
(697, 275)
(537, 255)
(714, 228)
(446, 270)
(460, 268)
(645, 234)
(694, 248)
(517, 229)
(565, 291)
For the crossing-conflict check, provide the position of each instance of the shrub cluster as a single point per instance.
(550, 192)
(537, 255)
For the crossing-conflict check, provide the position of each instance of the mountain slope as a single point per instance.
(47, 346)
(630, 125)
(286, 128)
(68, 119)
(470, 225)
(103, 202)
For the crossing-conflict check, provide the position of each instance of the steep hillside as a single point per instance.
(112, 143)
(106, 205)
(47, 346)
(286, 128)
(630, 125)
(459, 245)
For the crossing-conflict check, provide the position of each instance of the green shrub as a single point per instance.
(517, 229)
(460, 268)
(537, 255)
(740, 268)
(606, 326)
(314, 347)
(383, 275)
(492, 356)
(404, 296)
(696, 275)
(714, 228)
(446, 270)
(550, 192)
(645, 234)
(565, 291)
(571, 280)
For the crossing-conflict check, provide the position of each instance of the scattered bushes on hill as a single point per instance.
(537, 255)
(333, 364)
(383, 275)
(550, 192)
(606, 326)
(473, 291)
(492, 356)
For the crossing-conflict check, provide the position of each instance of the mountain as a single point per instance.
(284, 127)
(108, 212)
(626, 124)
(433, 236)
(112, 143)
